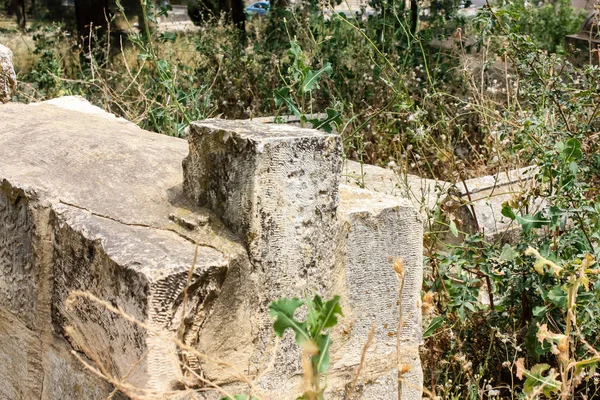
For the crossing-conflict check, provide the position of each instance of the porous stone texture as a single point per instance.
(8, 78)
(376, 230)
(276, 186)
(97, 205)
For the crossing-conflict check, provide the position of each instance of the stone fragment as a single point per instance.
(276, 186)
(479, 203)
(376, 230)
(8, 78)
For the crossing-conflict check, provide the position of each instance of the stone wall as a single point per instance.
(90, 202)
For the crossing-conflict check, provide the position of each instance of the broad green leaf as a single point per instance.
(453, 228)
(535, 380)
(325, 124)
(507, 211)
(283, 311)
(282, 96)
(312, 78)
(558, 297)
(535, 221)
(323, 315)
(433, 326)
(321, 359)
(539, 311)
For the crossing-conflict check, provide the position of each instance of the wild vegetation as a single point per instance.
(446, 97)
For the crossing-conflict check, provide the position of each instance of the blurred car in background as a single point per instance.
(260, 8)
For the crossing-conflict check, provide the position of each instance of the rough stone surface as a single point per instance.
(479, 202)
(8, 78)
(98, 206)
(276, 186)
(376, 230)
(91, 202)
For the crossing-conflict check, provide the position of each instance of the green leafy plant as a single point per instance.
(312, 335)
(296, 95)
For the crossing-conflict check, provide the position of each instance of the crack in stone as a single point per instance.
(189, 239)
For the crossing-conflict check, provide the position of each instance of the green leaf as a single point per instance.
(508, 253)
(539, 311)
(164, 10)
(433, 326)
(282, 96)
(507, 211)
(529, 222)
(572, 150)
(312, 78)
(323, 315)
(558, 297)
(283, 311)
(325, 124)
(535, 379)
(239, 397)
(295, 50)
(321, 359)
(555, 213)
(167, 37)
(453, 228)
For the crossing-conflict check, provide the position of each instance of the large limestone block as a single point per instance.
(276, 186)
(144, 272)
(8, 79)
(96, 204)
(376, 230)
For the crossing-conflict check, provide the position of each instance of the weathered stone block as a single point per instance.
(97, 205)
(90, 202)
(479, 203)
(144, 272)
(276, 186)
(8, 78)
(376, 230)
